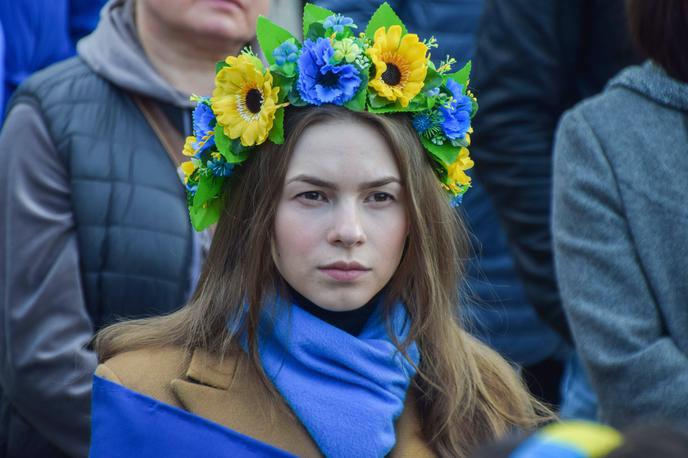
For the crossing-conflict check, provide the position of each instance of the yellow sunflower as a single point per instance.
(456, 175)
(400, 64)
(244, 100)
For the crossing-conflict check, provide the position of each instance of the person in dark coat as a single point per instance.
(619, 226)
(535, 59)
(94, 221)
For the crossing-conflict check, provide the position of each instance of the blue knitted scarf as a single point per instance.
(346, 390)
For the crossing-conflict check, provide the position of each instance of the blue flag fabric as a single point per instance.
(128, 424)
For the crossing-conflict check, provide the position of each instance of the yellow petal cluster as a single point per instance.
(456, 175)
(401, 64)
(244, 101)
(188, 167)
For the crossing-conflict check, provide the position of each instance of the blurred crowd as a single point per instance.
(577, 207)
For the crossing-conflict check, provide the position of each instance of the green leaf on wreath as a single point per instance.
(312, 14)
(358, 102)
(209, 188)
(206, 215)
(232, 150)
(462, 76)
(444, 154)
(276, 134)
(383, 17)
(270, 36)
(315, 30)
(285, 84)
(220, 65)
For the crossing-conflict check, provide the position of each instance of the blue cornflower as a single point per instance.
(203, 119)
(422, 122)
(337, 22)
(320, 82)
(220, 167)
(457, 115)
(287, 52)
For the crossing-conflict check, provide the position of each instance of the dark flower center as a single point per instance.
(329, 79)
(254, 100)
(391, 76)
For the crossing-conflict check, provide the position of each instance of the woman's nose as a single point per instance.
(347, 225)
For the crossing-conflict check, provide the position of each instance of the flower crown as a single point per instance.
(383, 70)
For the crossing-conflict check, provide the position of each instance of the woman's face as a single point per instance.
(341, 222)
(232, 20)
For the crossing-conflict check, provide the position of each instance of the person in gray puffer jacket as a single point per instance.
(620, 214)
(94, 220)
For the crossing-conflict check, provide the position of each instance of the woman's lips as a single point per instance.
(344, 275)
(226, 5)
(344, 271)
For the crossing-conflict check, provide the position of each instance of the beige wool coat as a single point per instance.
(228, 391)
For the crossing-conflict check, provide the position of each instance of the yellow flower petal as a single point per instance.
(244, 100)
(400, 65)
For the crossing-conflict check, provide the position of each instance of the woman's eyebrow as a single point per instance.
(329, 185)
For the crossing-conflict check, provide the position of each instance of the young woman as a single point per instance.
(325, 321)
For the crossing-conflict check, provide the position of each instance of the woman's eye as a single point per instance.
(312, 195)
(381, 197)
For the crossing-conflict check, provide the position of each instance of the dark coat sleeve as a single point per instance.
(522, 77)
(45, 367)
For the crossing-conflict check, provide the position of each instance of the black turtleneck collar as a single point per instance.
(351, 321)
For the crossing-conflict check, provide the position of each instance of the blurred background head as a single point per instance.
(591, 440)
(224, 24)
(660, 29)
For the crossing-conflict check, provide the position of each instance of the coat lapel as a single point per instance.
(228, 391)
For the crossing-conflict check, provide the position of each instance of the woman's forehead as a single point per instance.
(337, 149)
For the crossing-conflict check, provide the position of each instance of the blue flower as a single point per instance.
(287, 52)
(457, 115)
(320, 82)
(191, 187)
(203, 119)
(220, 168)
(456, 201)
(337, 22)
(422, 122)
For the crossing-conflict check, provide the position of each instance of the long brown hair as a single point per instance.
(466, 393)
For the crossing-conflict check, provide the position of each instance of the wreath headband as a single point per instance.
(384, 69)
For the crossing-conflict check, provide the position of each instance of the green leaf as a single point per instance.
(238, 153)
(311, 14)
(270, 36)
(232, 150)
(295, 99)
(383, 17)
(462, 75)
(377, 104)
(432, 79)
(358, 102)
(220, 65)
(206, 215)
(276, 134)
(284, 82)
(444, 154)
(315, 30)
(221, 140)
(209, 187)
